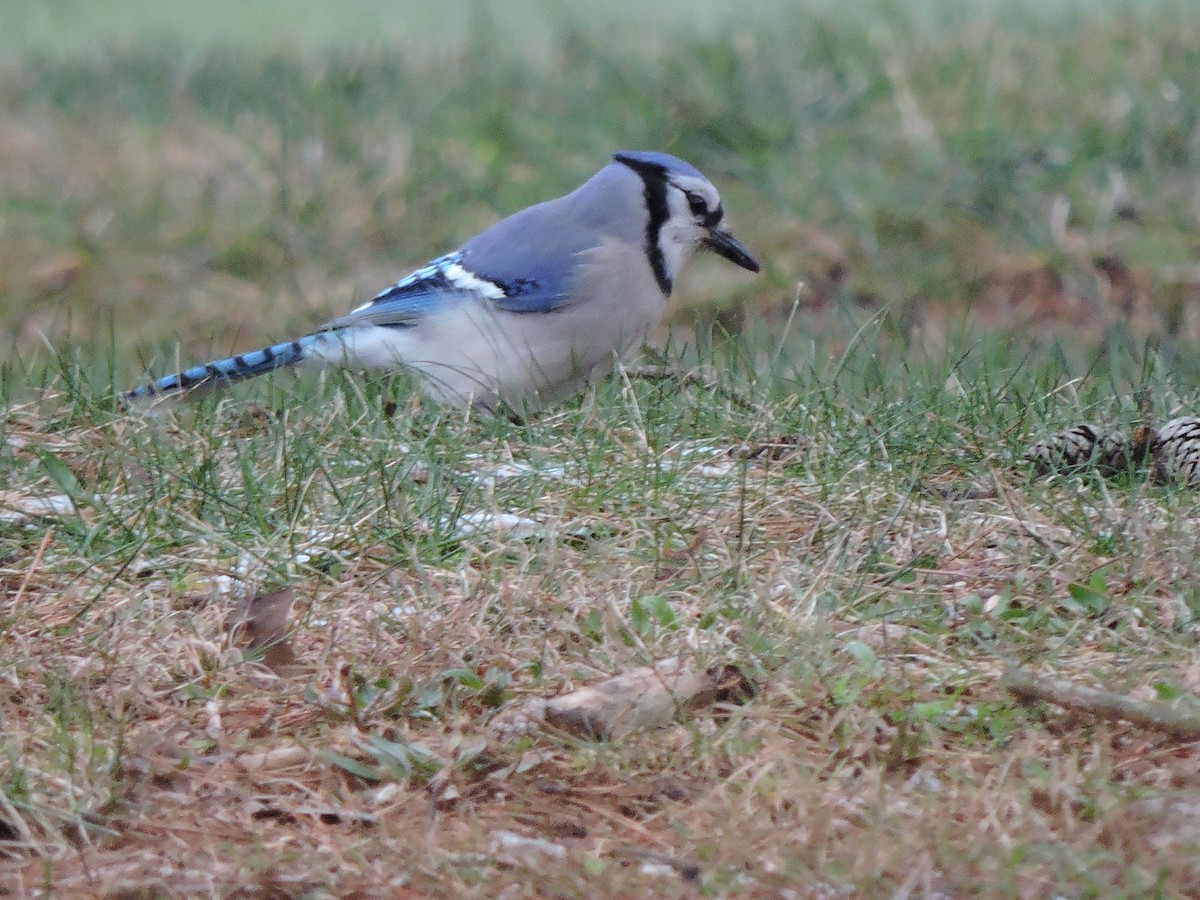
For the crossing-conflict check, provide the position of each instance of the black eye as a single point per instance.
(696, 202)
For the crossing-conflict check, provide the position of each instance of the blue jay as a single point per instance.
(529, 310)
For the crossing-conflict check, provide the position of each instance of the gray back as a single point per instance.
(539, 242)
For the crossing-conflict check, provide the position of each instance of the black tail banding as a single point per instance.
(230, 369)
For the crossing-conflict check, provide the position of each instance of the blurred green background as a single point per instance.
(225, 174)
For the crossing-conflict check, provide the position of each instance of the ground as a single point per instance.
(273, 641)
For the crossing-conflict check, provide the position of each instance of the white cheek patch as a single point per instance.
(462, 280)
(678, 241)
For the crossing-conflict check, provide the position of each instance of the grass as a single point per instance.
(991, 220)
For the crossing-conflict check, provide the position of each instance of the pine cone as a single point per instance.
(1110, 451)
(1176, 452)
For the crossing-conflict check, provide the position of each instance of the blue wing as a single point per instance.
(444, 283)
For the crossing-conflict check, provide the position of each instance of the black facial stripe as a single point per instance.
(713, 219)
(654, 179)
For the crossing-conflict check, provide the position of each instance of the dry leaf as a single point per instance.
(262, 624)
(647, 697)
(17, 507)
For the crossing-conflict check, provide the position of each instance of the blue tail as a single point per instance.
(228, 370)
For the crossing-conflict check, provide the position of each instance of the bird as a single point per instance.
(530, 310)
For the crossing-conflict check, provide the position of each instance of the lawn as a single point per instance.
(298, 639)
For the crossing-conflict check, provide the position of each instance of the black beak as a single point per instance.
(723, 243)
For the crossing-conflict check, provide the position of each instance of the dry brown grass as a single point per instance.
(147, 754)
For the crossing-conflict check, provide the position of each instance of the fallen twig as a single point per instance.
(33, 567)
(1104, 704)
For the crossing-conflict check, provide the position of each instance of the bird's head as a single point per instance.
(684, 215)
